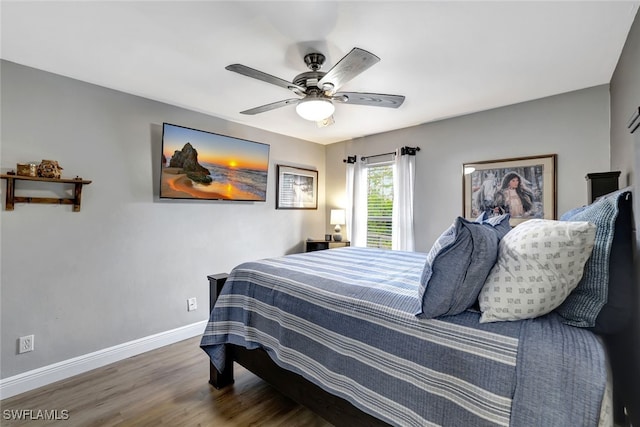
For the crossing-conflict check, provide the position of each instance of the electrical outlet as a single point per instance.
(192, 304)
(26, 344)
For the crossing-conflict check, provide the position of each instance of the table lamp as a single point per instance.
(337, 219)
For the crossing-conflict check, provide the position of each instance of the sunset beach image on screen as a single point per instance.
(198, 164)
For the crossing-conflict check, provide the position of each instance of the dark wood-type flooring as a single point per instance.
(164, 387)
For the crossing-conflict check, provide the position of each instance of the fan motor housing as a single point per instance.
(308, 79)
(314, 60)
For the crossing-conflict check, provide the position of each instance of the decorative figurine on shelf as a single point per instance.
(49, 169)
(27, 169)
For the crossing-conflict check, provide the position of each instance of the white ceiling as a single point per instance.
(448, 58)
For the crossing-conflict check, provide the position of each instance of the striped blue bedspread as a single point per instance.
(344, 319)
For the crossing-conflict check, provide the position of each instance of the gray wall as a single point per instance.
(625, 97)
(575, 126)
(123, 267)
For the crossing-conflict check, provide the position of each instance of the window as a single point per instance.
(379, 205)
(379, 209)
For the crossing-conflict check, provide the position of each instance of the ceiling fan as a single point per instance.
(318, 90)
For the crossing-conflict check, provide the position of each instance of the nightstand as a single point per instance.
(318, 245)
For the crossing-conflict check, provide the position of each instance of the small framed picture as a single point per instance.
(327, 237)
(524, 187)
(297, 188)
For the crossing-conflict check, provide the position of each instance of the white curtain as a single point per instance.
(356, 209)
(403, 186)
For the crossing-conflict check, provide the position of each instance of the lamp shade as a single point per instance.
(315, 109)
(337, 217)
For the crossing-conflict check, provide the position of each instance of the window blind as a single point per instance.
(379, 205)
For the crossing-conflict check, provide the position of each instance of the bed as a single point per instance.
(374, 337)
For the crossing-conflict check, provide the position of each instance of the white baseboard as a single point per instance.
(40, 377)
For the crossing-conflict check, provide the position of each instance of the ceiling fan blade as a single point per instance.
(352, 64)
(371, 99)
(250, 72)
(269, 107)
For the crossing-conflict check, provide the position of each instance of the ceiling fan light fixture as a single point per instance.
(315, 109)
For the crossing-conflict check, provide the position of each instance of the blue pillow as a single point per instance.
(458, 264)
(500, 224)
(582, 306)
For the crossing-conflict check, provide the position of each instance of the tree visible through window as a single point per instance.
(379, 205)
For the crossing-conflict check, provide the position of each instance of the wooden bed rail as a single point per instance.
(219, 379)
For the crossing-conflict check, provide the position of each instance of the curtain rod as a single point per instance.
(404, 150)
(377, 155)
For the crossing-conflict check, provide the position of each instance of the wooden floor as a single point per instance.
(164, 387)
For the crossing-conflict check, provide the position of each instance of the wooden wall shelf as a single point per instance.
(11, 197)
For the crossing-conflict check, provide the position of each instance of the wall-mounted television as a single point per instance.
(204, 165)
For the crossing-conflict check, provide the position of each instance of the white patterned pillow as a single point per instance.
(539, 263)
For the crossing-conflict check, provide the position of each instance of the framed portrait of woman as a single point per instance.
(524, 187)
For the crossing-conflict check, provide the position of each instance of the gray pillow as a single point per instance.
(458, 264)
(583, 305)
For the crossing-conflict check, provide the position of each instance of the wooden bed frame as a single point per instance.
(623, 349)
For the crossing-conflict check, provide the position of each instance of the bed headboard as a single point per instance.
(608, 302)
(619, 321)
